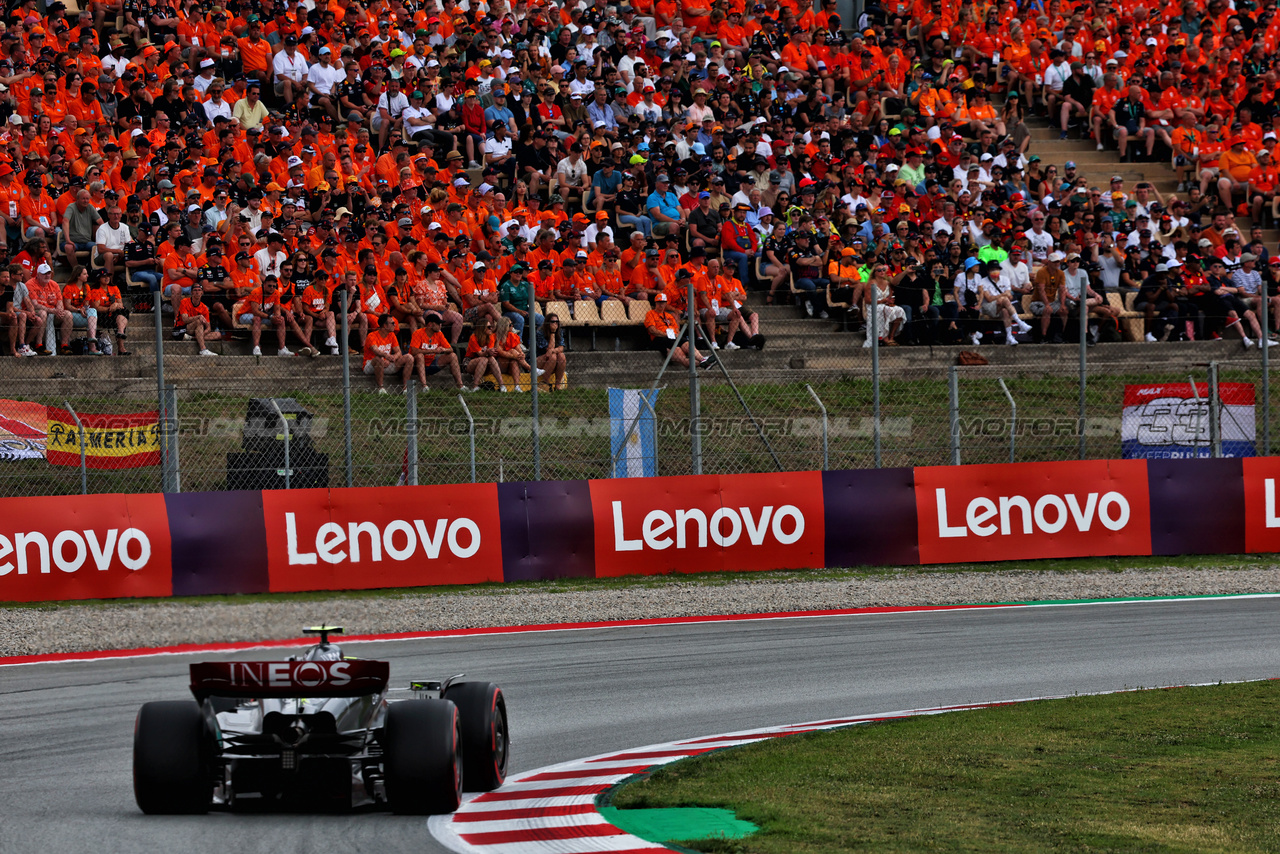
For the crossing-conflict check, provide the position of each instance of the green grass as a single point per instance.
(707, 579)
(1180, 770)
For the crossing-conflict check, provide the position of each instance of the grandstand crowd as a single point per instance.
(247, 168)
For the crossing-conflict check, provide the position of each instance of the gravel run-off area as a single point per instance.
(78, 628)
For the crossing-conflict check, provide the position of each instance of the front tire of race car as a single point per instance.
(485, 740)
(172, 754)
(422, 757)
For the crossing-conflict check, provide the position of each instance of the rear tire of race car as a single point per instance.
(422, 757)
(485, 737)
(172, 752)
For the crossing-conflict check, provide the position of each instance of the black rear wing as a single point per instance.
(288, 678)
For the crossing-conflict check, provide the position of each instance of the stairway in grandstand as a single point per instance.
(798, 348)
(1099, 166)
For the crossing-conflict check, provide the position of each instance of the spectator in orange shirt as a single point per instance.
(382, 354)
(1234, 167)
(663, 325)
(192, 318)
(481, 355)
(1262, 185)
(431, 351)
(255, 51)
(509, 352)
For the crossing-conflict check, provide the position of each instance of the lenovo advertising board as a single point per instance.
(112, 546)
(393, 536)
(708, 523)
(84, 547)
(1033, 510)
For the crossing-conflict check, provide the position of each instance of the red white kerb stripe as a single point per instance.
(552, 810)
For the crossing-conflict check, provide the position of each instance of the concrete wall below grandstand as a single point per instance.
(111, 546)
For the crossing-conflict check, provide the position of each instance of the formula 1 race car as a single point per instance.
(318, 730)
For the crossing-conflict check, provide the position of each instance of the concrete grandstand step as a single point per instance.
(133, 377)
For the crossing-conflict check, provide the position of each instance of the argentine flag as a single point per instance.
(639, 457)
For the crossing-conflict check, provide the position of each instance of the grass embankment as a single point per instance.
(1180, 770)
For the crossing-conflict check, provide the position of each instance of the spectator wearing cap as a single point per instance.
(738, 242)
(599, 234)
(663, 326)
(571, 178)
(39, 213)
(323, 79)
(255, 51)
(264, 304)
(1051, 296)
(272, 255)
(498, 111)
(513, 294)
(704, 223)
(289, 70)
(390, 111)
(605, 185)
(664, 209)
(140, 258)
(46, 309)
(805, 261)
(479, 292)
(498, 151)
(181, 268)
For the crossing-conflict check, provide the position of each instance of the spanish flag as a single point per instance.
(122, 441)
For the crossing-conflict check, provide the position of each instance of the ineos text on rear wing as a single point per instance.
(288, 678)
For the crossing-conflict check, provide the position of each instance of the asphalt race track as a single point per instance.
(66, 729)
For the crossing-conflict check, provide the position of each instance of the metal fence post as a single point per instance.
(411, 415)
(1265, 345)
(826, 462)
(953, 383)
(471, 434)
(344, 346)
(284, 425)
(532, 328)
(875, 370)
(173, 472)
(166, 467)
(695, 405)
(1084, 371)
(84, 471)
(1195, 394)
(1215, 413)
(1013, 417)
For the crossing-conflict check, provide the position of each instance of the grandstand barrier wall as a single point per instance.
(155, 545)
